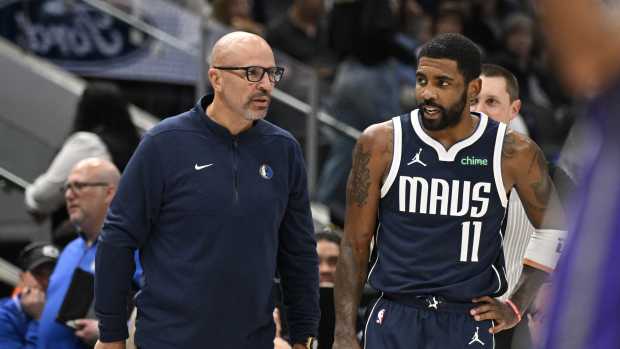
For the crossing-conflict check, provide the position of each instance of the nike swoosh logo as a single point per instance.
(198, 168)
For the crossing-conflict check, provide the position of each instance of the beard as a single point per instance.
(253, 115)
(244, 108)
(448, 118)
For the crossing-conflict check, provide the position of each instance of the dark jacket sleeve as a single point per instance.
(297, 257)
(126, 228)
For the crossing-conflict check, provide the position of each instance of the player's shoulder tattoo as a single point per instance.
(515, 145)
(538, 170)
(509, 147)
(359, 181)
(377, 141)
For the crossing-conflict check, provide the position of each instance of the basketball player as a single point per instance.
(431, 187)
(499, 100)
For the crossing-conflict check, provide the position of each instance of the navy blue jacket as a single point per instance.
(213, 215)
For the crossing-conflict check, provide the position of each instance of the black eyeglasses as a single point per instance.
(76, 187)
(255, 73)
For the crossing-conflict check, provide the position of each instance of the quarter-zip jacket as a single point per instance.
(213, 215)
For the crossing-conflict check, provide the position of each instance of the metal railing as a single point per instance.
(7, 178)
(312, 110)
(8, 272)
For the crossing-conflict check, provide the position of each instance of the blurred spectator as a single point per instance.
(259, 11)
(236, 14)
(89, 189)
(519, 56)
(367, 31)
(410, 17)
(302, 33)
(518, 44)
(540, 92)
(19, 315)
(272, 9)
(420, 28)
(449, 21)
(366, 89)
(102, 128)
(328, 249)
(483, 24)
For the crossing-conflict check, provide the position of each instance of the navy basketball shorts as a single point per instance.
(424, 323)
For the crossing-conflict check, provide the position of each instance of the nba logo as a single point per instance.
(380, 315)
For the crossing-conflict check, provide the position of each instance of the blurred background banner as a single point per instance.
(91, 43)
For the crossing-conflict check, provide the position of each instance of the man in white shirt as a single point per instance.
(499, 99)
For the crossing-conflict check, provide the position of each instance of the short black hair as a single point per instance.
(458, 48)
(512, 84)
(328, 235)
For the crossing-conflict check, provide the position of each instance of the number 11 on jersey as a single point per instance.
(465, 233)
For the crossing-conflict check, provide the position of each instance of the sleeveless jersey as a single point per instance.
(441, 215)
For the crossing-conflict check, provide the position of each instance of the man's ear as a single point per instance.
(110, 192)
(215, 79)
(473, 88)
(515, 107)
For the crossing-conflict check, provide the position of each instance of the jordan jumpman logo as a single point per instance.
(416, 158)
(434, 303)
(475, 338)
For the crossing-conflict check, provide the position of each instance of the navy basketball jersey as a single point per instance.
(441, 215)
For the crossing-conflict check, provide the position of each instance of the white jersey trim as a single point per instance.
(396, 156)
(493, 334)
(377, 247)
(497, 164)
(450, 154)
(370, 316)
(499, 279)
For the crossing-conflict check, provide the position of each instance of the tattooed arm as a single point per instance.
(371, 160)
(524, 167)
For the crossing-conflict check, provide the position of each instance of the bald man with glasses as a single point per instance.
(88, 191)
(216, 201)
